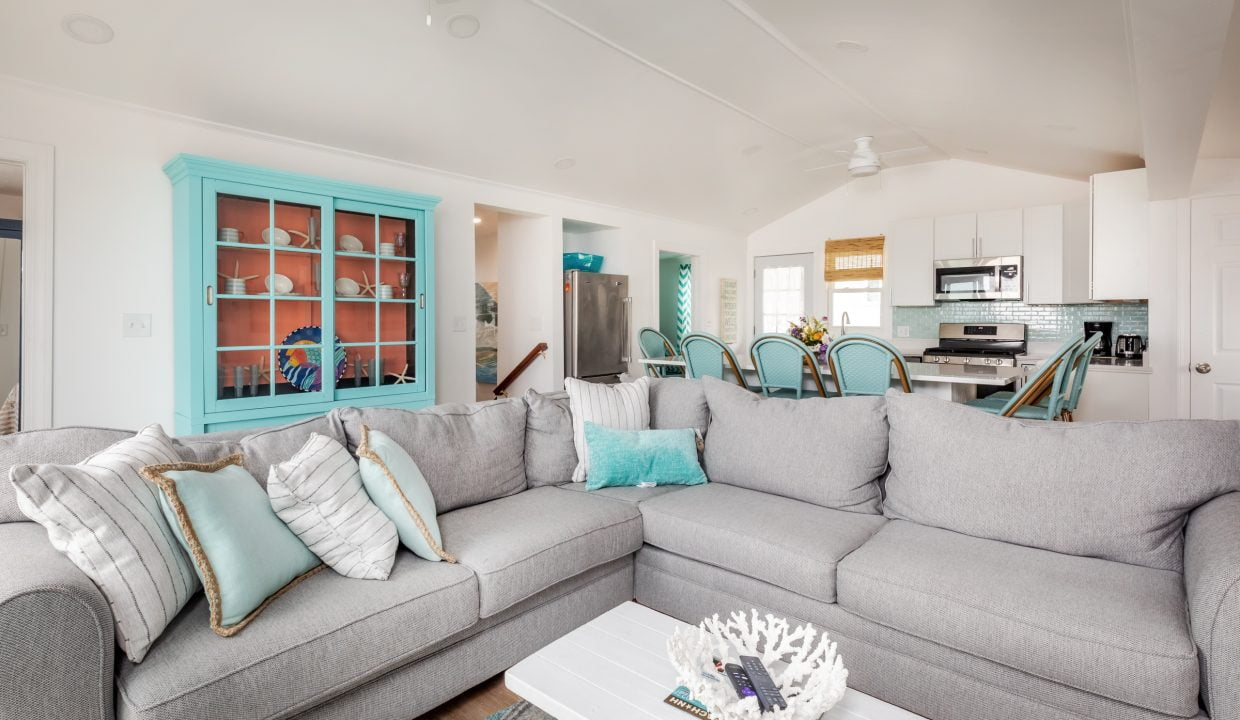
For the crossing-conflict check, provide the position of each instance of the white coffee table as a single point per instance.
(616, 668)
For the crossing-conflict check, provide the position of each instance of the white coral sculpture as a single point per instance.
(801, 661)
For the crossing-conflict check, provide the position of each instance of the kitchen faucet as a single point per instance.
(844, 319)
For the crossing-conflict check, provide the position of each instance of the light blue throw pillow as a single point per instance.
(634, 457)
(397, 486)
(245, 555)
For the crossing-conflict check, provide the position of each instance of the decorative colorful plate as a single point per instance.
(303, 367)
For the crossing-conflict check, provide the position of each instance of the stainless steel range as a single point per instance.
(994, 344)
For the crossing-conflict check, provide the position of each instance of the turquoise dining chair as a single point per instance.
(781, 361)
(706, 355)
(655, 345)
(1078, 365)
(861, 365)
(1050, 385)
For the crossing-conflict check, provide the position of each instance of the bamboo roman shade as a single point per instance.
(855, 259)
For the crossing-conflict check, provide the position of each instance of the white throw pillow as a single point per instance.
(319, 495)
(624, 406)
(106, 518)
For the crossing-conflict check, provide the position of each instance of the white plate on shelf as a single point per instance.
(349, 243)
(279, 284)
(348, 287)
(276, 236)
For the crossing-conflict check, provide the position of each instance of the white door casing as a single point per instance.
(37, 274)
(782, 290)
(1214, 304)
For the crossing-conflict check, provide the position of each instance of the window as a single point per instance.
(854, 275)
(781, 292)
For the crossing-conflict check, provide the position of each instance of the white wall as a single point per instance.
(11, 207)
(868, 206)
(113, 219)
(531, 307)
(486, 255)
(10, 313)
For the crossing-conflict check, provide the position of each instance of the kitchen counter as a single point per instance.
(1097, 364)
(952, 382)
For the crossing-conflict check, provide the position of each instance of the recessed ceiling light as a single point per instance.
(565, 163)
(462, 26)
(749, 211)
(477, 220)
(977, 151)
(751, 150)
(87, 29)
(1063, 127)
(850, 46)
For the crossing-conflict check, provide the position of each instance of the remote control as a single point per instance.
(740, 681)
(769, 697)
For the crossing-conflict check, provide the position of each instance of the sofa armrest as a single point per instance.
(56, 642)
(1212, 580)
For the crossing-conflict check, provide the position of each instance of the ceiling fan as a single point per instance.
(863, 160)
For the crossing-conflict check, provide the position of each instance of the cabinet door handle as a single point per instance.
(422, 301)
(210, 294)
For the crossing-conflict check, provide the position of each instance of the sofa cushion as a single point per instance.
(61, 446)
(261, 448)
(549, 453)
(1115, 490)
(1113, 629)
(631, 495)
(468, 453)
(786, 542)
(525, 543)
(826, 452)
(678, 403)
(332, 634)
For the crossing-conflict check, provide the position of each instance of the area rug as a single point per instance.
(520, 711)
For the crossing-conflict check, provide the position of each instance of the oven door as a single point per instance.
(978, 279)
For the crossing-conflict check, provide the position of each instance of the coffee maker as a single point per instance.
(1104, 327)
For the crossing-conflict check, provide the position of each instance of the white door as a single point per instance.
(1214, 361)
(955, 237)
(1000, 233)
(781, 291)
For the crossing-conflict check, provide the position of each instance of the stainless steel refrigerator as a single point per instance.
(597, 325)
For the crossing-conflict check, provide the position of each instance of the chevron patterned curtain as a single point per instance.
(684, 302)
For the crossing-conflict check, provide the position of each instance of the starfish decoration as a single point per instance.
(305, 239)
(401, 377)
(237, 274)
(262, 373)
(367, 286)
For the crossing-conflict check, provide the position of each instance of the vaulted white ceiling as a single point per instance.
(709, 110)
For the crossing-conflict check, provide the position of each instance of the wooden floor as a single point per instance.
(475, 704)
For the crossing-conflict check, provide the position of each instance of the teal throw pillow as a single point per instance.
(245, 555)
(398, 487)
(636, 457)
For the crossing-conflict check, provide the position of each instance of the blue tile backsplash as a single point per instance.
(1044, 323)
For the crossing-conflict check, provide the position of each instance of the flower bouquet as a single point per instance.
(813, 332)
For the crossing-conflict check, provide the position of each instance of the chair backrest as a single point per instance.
(781, 361)
(1050, 380)
(861, 365)
(706, 355)
(1079, 367)
(654, 344)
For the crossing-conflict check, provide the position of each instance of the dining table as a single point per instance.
(958, 383)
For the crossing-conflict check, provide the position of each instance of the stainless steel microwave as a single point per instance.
(994, 278)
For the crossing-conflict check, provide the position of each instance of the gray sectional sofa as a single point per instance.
(989, 579)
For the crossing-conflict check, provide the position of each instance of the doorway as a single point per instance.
(1214, 309)
(11, 200)
(675, 295)
(781, 291)
(486, 302)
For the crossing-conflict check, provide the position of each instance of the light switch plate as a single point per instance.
(458, 323)
(135, 325)
(902, 331)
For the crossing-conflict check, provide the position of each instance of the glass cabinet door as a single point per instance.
(266, 330)
(378, 283)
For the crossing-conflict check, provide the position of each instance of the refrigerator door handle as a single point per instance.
(575, 350)
(628, 330)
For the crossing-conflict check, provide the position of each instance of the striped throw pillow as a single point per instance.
(106, 518)
(625, 406)
(319, 495)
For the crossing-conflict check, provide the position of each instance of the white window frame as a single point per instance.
(832, 290)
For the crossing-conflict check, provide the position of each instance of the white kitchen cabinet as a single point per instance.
(1056, 252)
(1114, 394)
(955, 237)
(1119, 236)
(909, 263)
(1000, 233)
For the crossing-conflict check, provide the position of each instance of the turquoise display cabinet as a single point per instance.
(295, 294)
